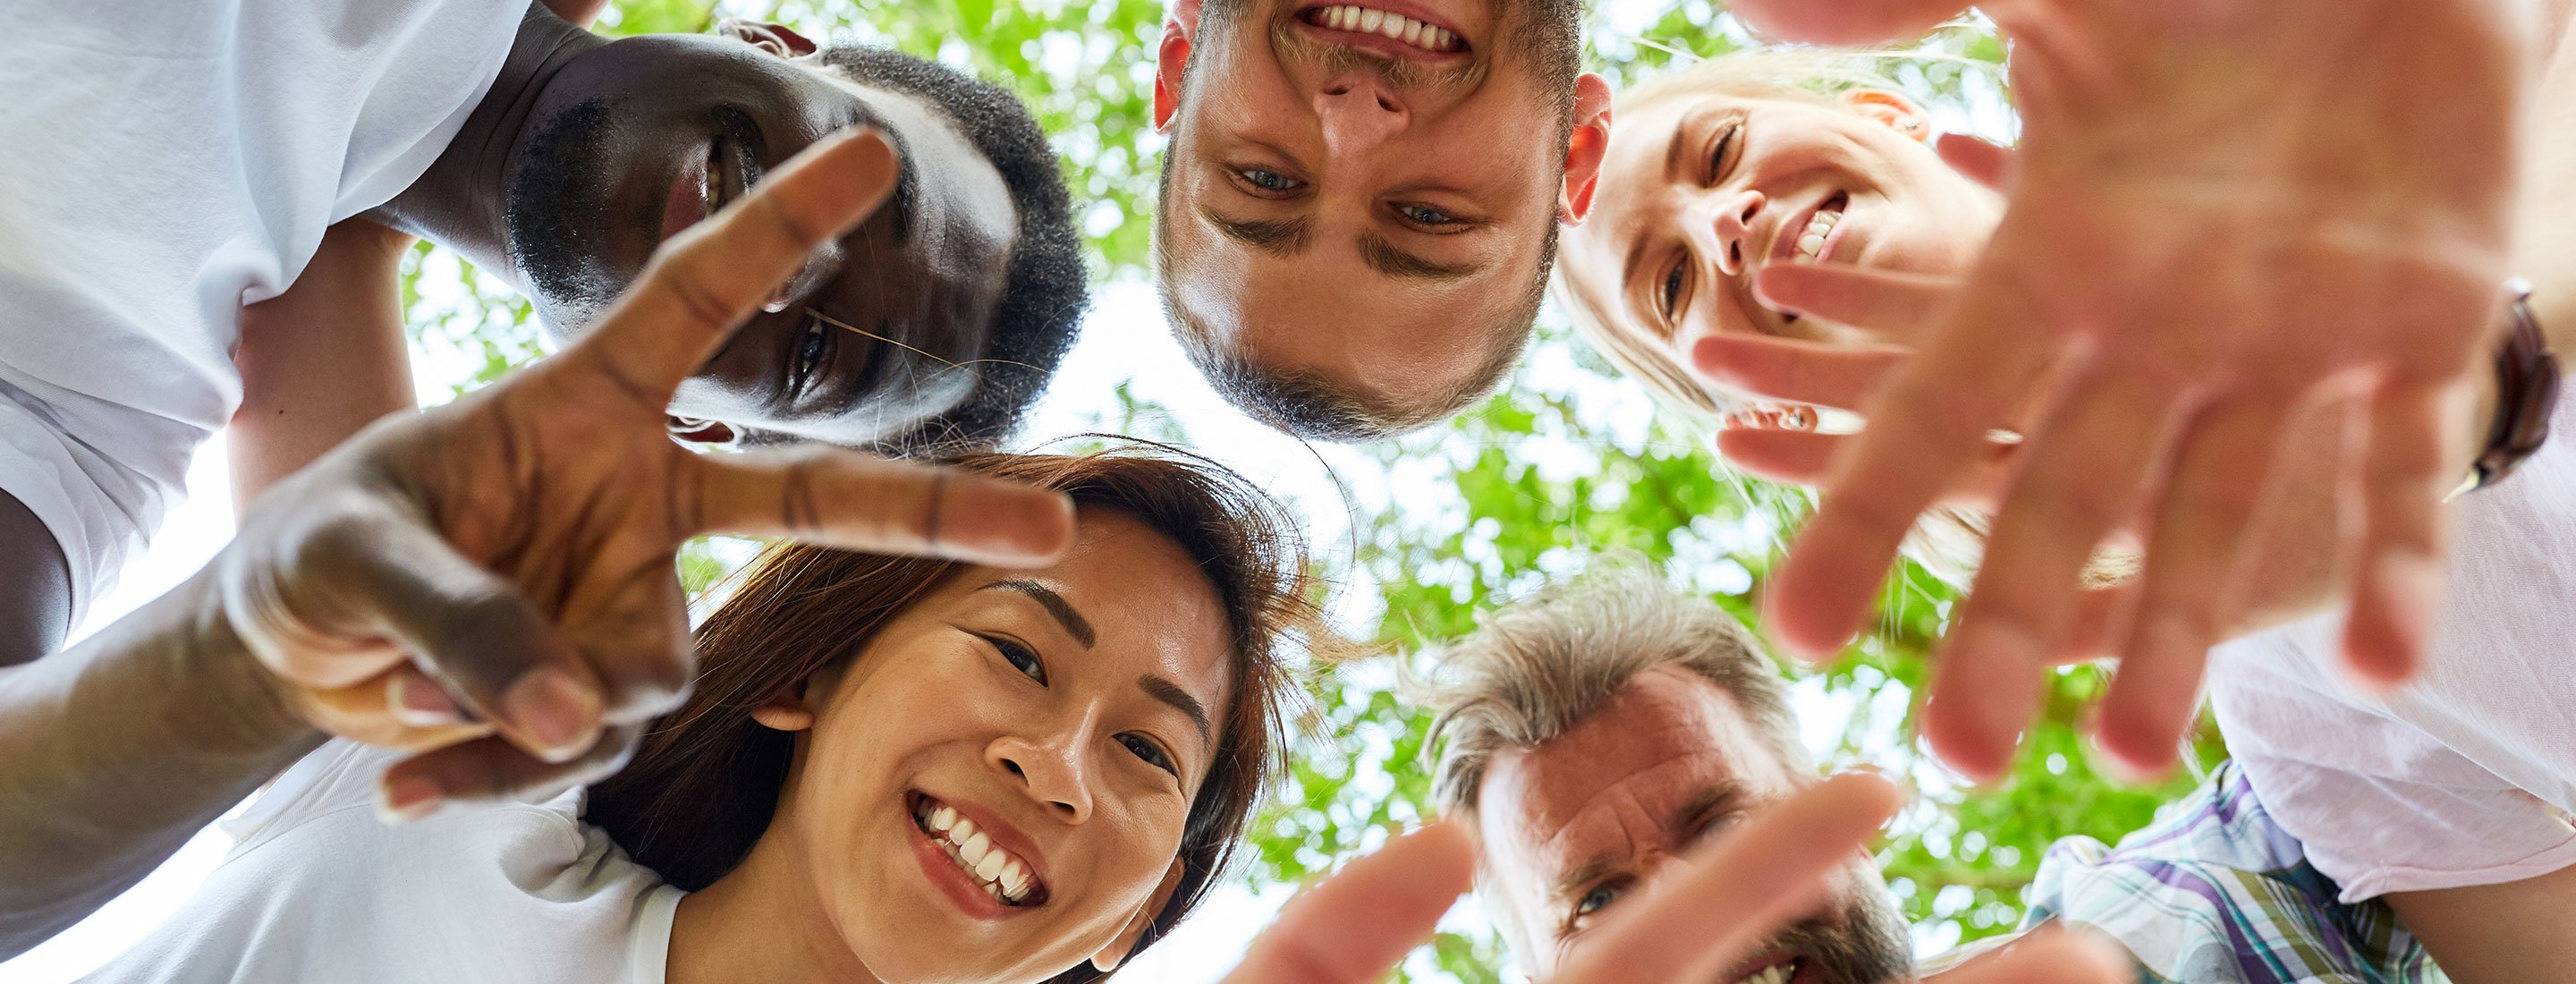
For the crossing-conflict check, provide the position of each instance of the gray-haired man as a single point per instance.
(1596, 732)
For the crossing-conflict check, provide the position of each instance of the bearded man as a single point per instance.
(1360, 200)
(1598, 731)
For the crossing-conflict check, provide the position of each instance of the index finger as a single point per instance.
(705, 281)
(1739, 890)
(1352, 928)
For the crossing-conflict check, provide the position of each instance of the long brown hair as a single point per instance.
(706, 780)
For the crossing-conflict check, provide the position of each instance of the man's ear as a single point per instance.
(1892, 108)
(777, 39)
(1170, 58)
(1583, 152)
(1124, 945)
(696, 431)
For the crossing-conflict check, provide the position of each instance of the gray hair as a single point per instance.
(1537, 668)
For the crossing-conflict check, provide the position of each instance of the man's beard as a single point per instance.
(558, 219)
(1869, 946)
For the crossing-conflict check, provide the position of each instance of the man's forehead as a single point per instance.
(1668, 738)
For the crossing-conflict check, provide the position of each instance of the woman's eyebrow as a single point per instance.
(1074, 623)
(1171, 693)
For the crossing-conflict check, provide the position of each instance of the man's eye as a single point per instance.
(1271, 181)
(1152, 753)
(809, 352)
(1020, 657)
(1592, 903)
(1425, 215)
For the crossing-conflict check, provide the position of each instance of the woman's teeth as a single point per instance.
(1811, 241)
(1385, 24)
(1002, 875)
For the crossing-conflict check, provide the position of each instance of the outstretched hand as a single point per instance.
(2288, 567)
(1738, 890)
(2222, 213)
(492, 582)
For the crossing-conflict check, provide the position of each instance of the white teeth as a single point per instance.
(1015, 877)
(990, 869)
(974, 848)
(1346, 17)
(943, 818)
(1812, 241)
(964, 829)
(999, 872)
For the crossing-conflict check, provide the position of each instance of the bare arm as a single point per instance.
(114, 752)
(2498, 934)
(321, 361)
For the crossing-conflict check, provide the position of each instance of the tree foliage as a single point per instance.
(1531, 483)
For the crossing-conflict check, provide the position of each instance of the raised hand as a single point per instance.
(493, 581)
(1739, 889)
(2222, 214)
(2288, 569)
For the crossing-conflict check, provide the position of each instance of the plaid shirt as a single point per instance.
(2214, 893)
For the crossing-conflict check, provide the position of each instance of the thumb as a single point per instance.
(466, 628)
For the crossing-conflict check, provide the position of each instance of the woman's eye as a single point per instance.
(1725, 142)
(1150, 752)
(1673, 291)
(1426, 215)
(1020, 658)
(1271, 181)
(809, 351)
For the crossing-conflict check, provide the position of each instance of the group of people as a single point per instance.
(2187, 379)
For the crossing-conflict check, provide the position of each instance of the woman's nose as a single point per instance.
(1049, 769)
(1731, 220)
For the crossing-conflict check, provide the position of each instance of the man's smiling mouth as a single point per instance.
(1386, 24)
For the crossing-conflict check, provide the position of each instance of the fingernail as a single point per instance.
(407, 799)
(1002, 522)
(420, 704)
(554, 710)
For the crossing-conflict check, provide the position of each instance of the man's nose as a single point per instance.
(1359, 113)
(1730, 218)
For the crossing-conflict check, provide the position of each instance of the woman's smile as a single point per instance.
(966, 861)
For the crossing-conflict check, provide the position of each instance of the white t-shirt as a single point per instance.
(318, 889)
(162, 164)
(2468, 776)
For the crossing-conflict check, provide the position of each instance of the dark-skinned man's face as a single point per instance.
(634, 141)
(1369, 208)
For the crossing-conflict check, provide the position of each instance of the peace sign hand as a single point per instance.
(493, 581)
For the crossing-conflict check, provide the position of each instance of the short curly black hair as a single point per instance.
(1045, 289)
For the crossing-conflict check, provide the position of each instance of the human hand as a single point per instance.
(493, 580)
(1737, 891)
(2222, 214)
(2289, 568)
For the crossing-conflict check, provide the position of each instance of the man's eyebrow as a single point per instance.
(1583, 875)
(1277, 237)
(1055, 605)
(1384, 257)
(1171, 693)
(1706, 803)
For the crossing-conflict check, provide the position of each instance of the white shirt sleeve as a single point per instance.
(2380, 805)
(318, 889)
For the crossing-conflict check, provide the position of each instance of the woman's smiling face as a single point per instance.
(1701, 190)
(996, 788)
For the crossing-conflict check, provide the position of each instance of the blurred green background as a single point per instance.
(1525, 486)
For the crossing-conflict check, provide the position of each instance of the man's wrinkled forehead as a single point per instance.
(1667, 738)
